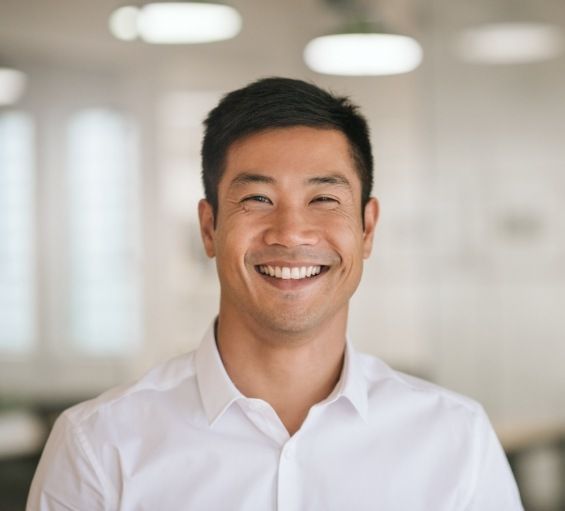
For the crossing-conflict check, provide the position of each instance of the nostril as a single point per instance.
(291, 234)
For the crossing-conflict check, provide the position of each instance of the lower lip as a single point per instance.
(292, 284)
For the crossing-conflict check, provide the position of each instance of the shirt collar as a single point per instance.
(218, 392)
(352, 384)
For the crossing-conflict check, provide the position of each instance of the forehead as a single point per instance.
(291, 152)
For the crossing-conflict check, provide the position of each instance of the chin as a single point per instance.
(290, 323)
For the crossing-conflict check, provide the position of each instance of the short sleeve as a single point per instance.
(67, 477)
(495, 488)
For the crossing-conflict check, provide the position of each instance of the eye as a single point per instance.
(325, 199)
(257, 198)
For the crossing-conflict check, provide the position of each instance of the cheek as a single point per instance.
(343, 218)
(232, 245)
(346, 236)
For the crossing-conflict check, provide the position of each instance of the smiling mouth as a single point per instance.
(291, 273)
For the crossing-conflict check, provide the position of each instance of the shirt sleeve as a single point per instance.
(67, 477)
(495, 488)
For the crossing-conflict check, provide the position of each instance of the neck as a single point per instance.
(291, 371)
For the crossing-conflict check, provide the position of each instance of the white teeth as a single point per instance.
(287, 273)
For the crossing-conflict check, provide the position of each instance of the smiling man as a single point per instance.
(276, 409)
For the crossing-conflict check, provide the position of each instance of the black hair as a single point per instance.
(277, 102)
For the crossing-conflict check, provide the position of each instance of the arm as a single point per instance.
(67, 477)
(495, 488)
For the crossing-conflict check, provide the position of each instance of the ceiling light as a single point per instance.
(510, 43)
(176, 22)
(12, 85)
(364, 50)
(123, 23)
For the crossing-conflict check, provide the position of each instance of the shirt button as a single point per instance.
(288, 453)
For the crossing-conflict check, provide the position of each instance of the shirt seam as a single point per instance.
(481, 459)
(115, 396)
(86, 449)
(453, 398)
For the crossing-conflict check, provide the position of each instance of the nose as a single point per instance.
(290, 227)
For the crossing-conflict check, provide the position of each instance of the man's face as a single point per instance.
(289, 239)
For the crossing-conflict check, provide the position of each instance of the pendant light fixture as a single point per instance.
(510, 43)
(180, 22)
(361, 47)
(513, 33)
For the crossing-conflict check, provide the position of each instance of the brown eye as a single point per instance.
(325, 199)
(257, 198)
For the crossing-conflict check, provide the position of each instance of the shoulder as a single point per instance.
(87, 440)
(387, 385)
(157, 386)
(426, 416)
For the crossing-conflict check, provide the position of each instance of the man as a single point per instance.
(275, 409)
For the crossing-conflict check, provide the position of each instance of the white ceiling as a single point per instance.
(74, 34)
(273, 34)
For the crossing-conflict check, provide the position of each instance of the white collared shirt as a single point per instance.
(184, 438)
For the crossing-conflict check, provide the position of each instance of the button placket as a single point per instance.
(287, 498)
(288, 452)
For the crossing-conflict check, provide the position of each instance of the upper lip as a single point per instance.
(295, 257)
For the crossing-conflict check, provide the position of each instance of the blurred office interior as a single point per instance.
(102, 274)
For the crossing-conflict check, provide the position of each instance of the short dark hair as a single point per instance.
(277, 102)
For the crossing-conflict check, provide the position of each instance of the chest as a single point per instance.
(352, 466)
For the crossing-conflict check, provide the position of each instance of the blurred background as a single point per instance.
(102, 274)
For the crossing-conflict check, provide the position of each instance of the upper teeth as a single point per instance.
(285, 272)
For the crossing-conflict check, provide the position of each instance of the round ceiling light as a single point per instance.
(176, 22)
(363, 54)
(123, 23)
(12, 85)
(510, 43)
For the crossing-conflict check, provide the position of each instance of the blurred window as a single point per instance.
(103, 220)
(17, 219)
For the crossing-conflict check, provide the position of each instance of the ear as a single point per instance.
(371, 216)
(206, 217)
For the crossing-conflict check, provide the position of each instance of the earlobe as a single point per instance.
(370, 216)
(206, 217)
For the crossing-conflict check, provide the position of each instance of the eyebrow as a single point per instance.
(246, 178)
(332, 179)
(250, 177)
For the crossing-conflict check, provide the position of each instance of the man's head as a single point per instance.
(273, 103)
(287, 171)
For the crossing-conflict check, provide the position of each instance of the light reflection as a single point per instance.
(17, 269)
(103, 229)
